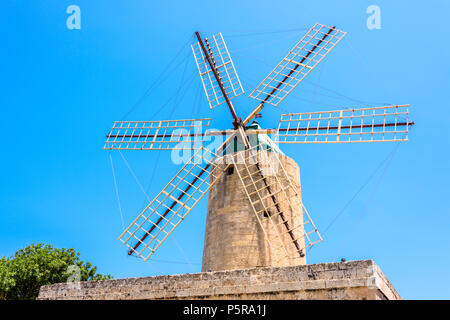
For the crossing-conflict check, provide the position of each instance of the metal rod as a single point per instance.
(400, 124)
(297, 65)
(280, 213)
(162, 135)
(261, 105)
(211, 133)
(275, 202)
(236, 119)
(168, 210)
(253, 113)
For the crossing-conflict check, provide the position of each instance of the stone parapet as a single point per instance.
(336, 281)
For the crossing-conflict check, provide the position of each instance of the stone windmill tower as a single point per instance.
(255, 212)
(236, 237)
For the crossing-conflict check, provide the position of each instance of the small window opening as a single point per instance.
(266, 214)
(230, 170)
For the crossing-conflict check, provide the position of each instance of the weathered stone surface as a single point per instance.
(234, 238)
(343, 280)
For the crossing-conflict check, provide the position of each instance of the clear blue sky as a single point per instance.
(62, 89)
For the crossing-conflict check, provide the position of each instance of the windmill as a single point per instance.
(255, 212)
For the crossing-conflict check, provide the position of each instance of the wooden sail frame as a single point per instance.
(376, 124)
(171, 206)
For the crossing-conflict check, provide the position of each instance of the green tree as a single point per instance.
(36, 265)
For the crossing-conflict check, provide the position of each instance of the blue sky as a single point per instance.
(62, 89)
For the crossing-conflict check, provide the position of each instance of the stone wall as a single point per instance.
(336, 281)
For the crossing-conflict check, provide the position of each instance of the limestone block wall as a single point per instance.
(353, 280)
(233, 236)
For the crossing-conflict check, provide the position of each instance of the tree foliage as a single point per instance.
(36, 265)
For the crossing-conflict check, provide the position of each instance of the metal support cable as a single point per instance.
(264, 33)
(157, 80)
(366, 65)
(338, 95)
(148, 198)
(117, 192)
(355, 224)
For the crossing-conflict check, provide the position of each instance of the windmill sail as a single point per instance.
(274, 199)
(297, 64)
(165, 212)
(221, 59)
(377, 124)
(157, 135)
